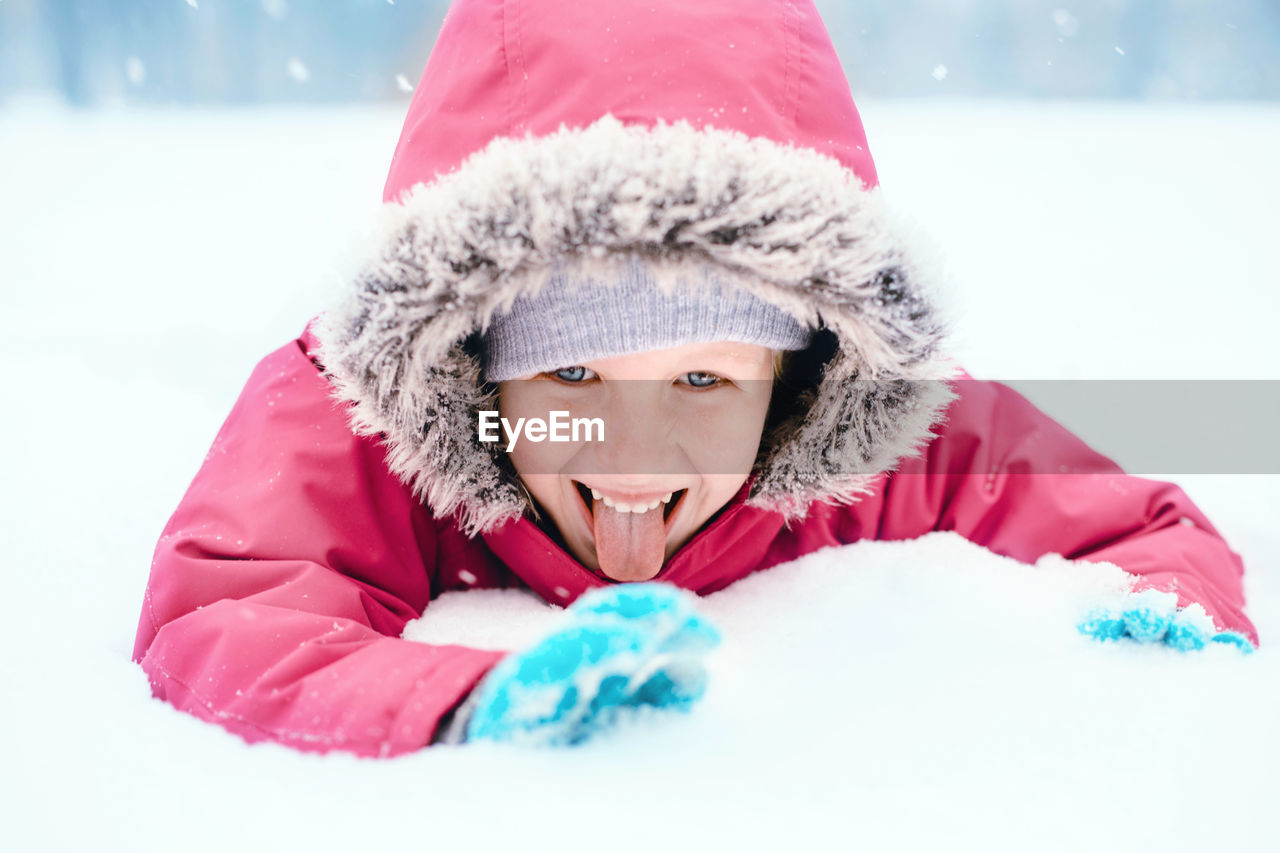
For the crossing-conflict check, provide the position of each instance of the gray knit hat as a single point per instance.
(576, 317)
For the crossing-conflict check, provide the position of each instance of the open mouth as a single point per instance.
(668, 509)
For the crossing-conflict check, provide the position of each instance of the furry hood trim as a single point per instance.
(788, 223)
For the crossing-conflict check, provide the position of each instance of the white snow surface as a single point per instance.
(894, 695)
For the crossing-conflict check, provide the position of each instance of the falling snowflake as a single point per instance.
(1119, 51)
(298, 71)
(276, 9)
(193, 4)
(134, 71)
(403, 84)
(1065, 22)
(940, 72)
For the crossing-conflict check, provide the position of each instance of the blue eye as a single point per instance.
(571, 374)
(699, 379)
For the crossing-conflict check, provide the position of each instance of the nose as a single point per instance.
(640, 435)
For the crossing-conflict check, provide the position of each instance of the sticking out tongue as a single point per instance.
(630, 546)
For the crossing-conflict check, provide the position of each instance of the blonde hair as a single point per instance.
(781, 359)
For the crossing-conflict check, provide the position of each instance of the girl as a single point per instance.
(663, 217)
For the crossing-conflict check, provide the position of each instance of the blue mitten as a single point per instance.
(1152, 616)
(623, 646)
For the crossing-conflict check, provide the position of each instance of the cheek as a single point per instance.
(725, 438)
(545, 459)
(545, 489)
(526, 400)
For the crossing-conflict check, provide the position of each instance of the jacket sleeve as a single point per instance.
(281, 584)
(1007, 476)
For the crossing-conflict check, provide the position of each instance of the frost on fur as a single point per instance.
(791, 225)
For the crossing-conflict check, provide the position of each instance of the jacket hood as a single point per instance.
(721, 132)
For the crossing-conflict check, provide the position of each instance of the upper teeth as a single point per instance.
(623, 507)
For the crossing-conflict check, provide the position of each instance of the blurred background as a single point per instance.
(97, 52)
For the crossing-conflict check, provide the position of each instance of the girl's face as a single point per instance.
(682, 428)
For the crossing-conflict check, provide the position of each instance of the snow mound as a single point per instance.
(914, 693)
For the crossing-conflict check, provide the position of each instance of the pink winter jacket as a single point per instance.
(282, 583)
(342, 493)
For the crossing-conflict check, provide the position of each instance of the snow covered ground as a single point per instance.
(923, 695)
